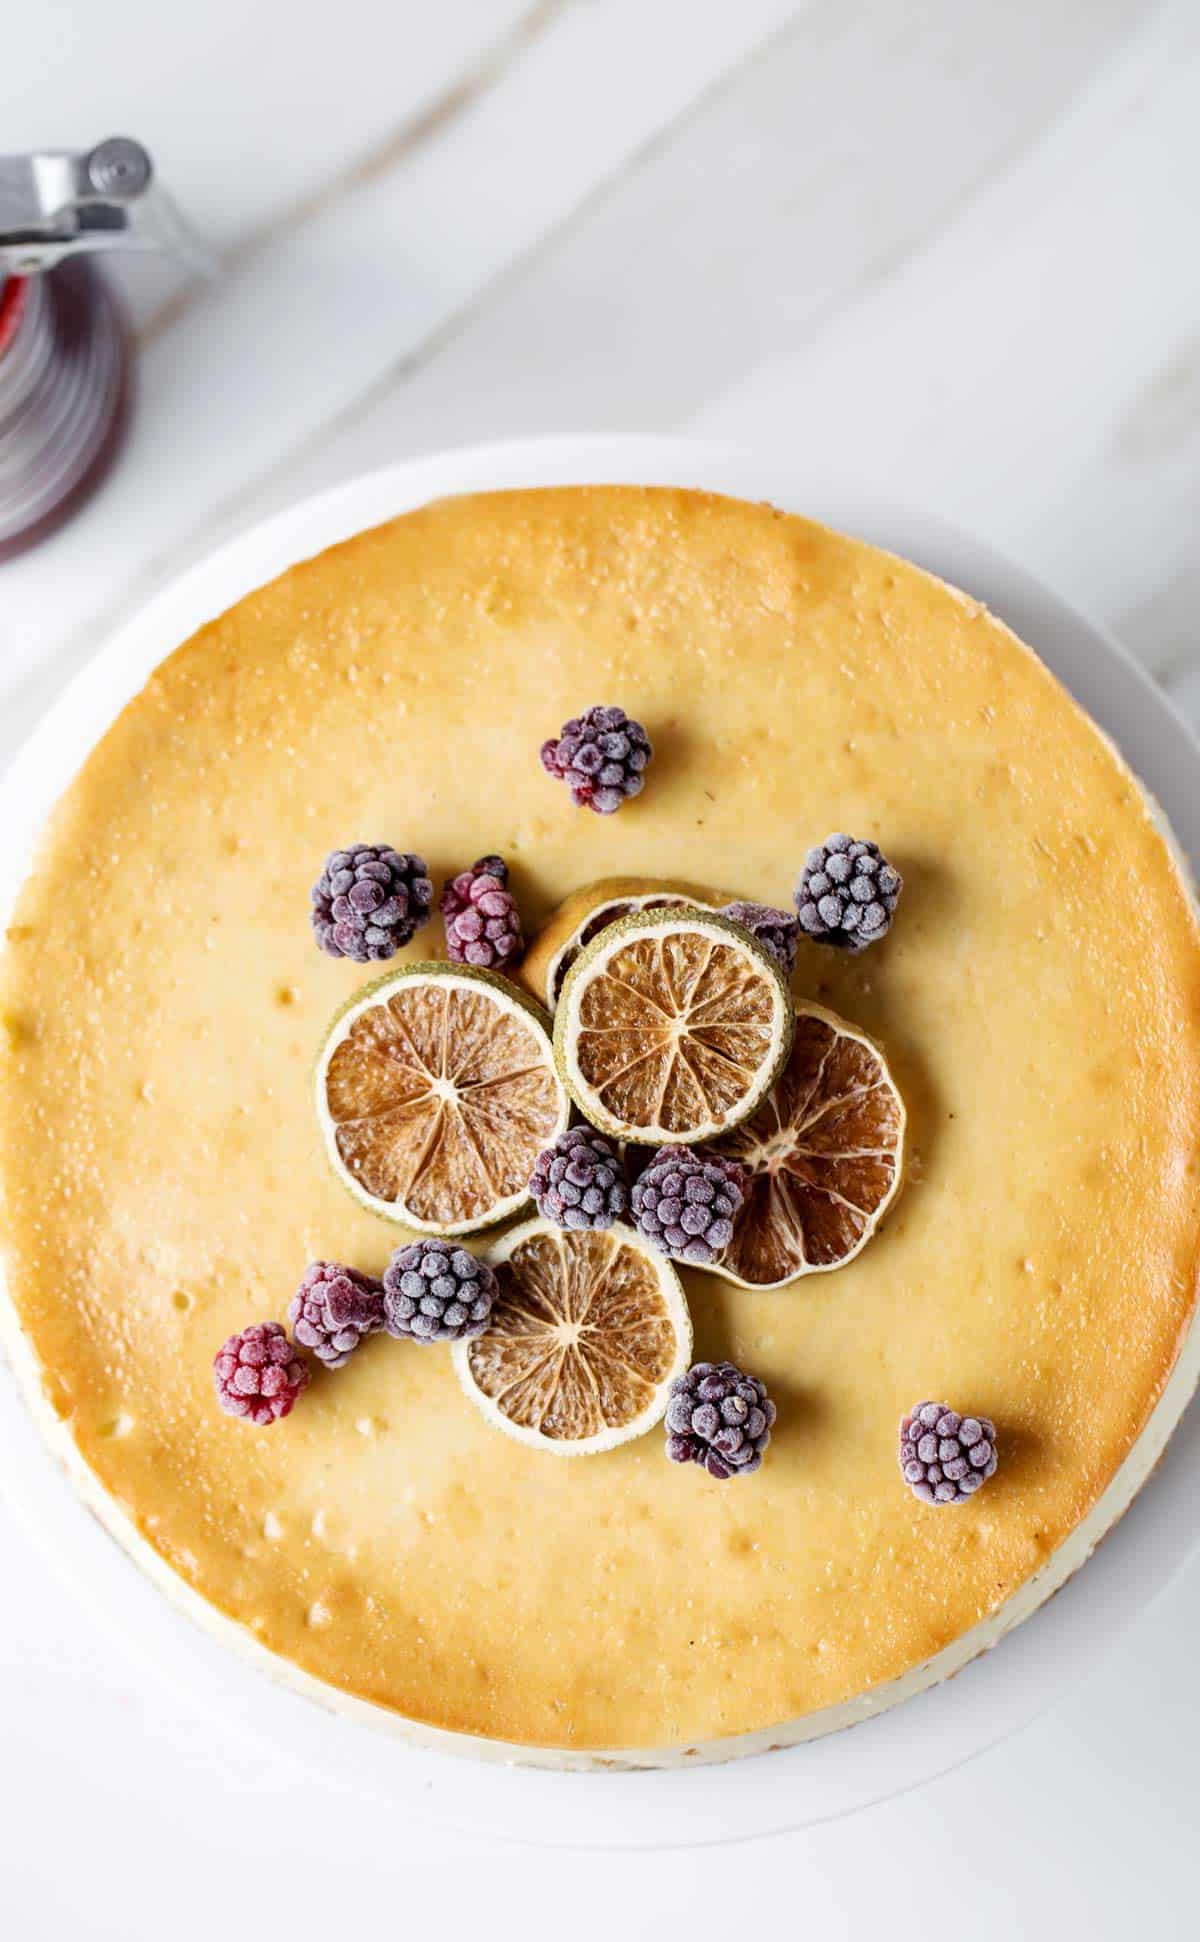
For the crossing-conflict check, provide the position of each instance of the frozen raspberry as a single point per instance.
(719, 1417)
(944, 1457)
(333, 1309)
(775, 930)
(483, 924)
(847, 893)
(684, 1203)
(433, 1292)
(258, 1374)
(579, 1181)
(601, 756)
(369, 901)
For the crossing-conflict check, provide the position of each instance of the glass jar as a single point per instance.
(65, 392)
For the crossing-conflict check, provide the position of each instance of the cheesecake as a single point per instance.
(165, 1181)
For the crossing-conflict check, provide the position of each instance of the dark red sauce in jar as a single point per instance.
(65, 391)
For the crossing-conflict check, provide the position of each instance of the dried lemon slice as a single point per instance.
(435, 1091)
(672, 1026)
(825, 1154)
(587, 1333)
(586, 912)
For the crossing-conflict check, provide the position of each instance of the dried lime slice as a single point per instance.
(672, 1026)
(435, 1091)
(590, 910)
(588, 1332)
(825, 1155)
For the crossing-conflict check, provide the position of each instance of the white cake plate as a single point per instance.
(938, 1727)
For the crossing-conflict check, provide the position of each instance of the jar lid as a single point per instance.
(56, 203)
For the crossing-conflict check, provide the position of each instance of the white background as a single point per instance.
(949, 245)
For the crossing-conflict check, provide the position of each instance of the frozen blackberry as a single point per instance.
(369, 901)
(602, 757)
(684, 1203)
(719, 1417)
(258, 1374)
(433, 1292)
(483, 924)
(775, 930)
(579, 1181)
(945, 1457)
(847, 893)
(333, 1309)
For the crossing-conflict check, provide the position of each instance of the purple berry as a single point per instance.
(483, 924)
(847, 893)
(369, 901)
(719, 1417)
(579, 1181)
(945, 1457)
(435, 1292)
(333, 1309)
(776, 930)
(602, 756)
(258, 1374)
(685, 1202)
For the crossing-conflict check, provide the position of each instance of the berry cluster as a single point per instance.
(369, 901)
(847, 893)
(719, 1417)
(333, 1309)
(483, 924)
(430, 1292)
(579, 1181)
(258, 1374)
(685, 1202)
(433, 1292)
(776, 930)
(602, 757)
(945, 1457)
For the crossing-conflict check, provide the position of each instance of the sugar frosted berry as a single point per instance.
(945, 1457)
(847, 893)
(775, 930)
(258, 1374)
(684, 1203)
(333, 1309)
(483, 924)
(719, 1417)
(433, 1292)
(369, 901)
(579, 1181)
(602, 756)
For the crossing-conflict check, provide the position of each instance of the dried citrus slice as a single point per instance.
(672, 1026)
(435, 1091)
(586, 912)
(587, 1333)
(825, 1154)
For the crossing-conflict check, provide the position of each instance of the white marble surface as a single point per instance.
(947, 247)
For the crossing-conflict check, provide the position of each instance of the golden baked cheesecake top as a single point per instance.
(1037, 1001)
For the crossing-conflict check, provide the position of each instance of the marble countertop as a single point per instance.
(949, 249)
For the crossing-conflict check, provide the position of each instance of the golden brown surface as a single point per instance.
(1038, 1000)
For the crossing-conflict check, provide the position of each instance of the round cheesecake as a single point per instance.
(165, 1181)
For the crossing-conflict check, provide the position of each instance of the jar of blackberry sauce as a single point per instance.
(66, 365)
(65, 393)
